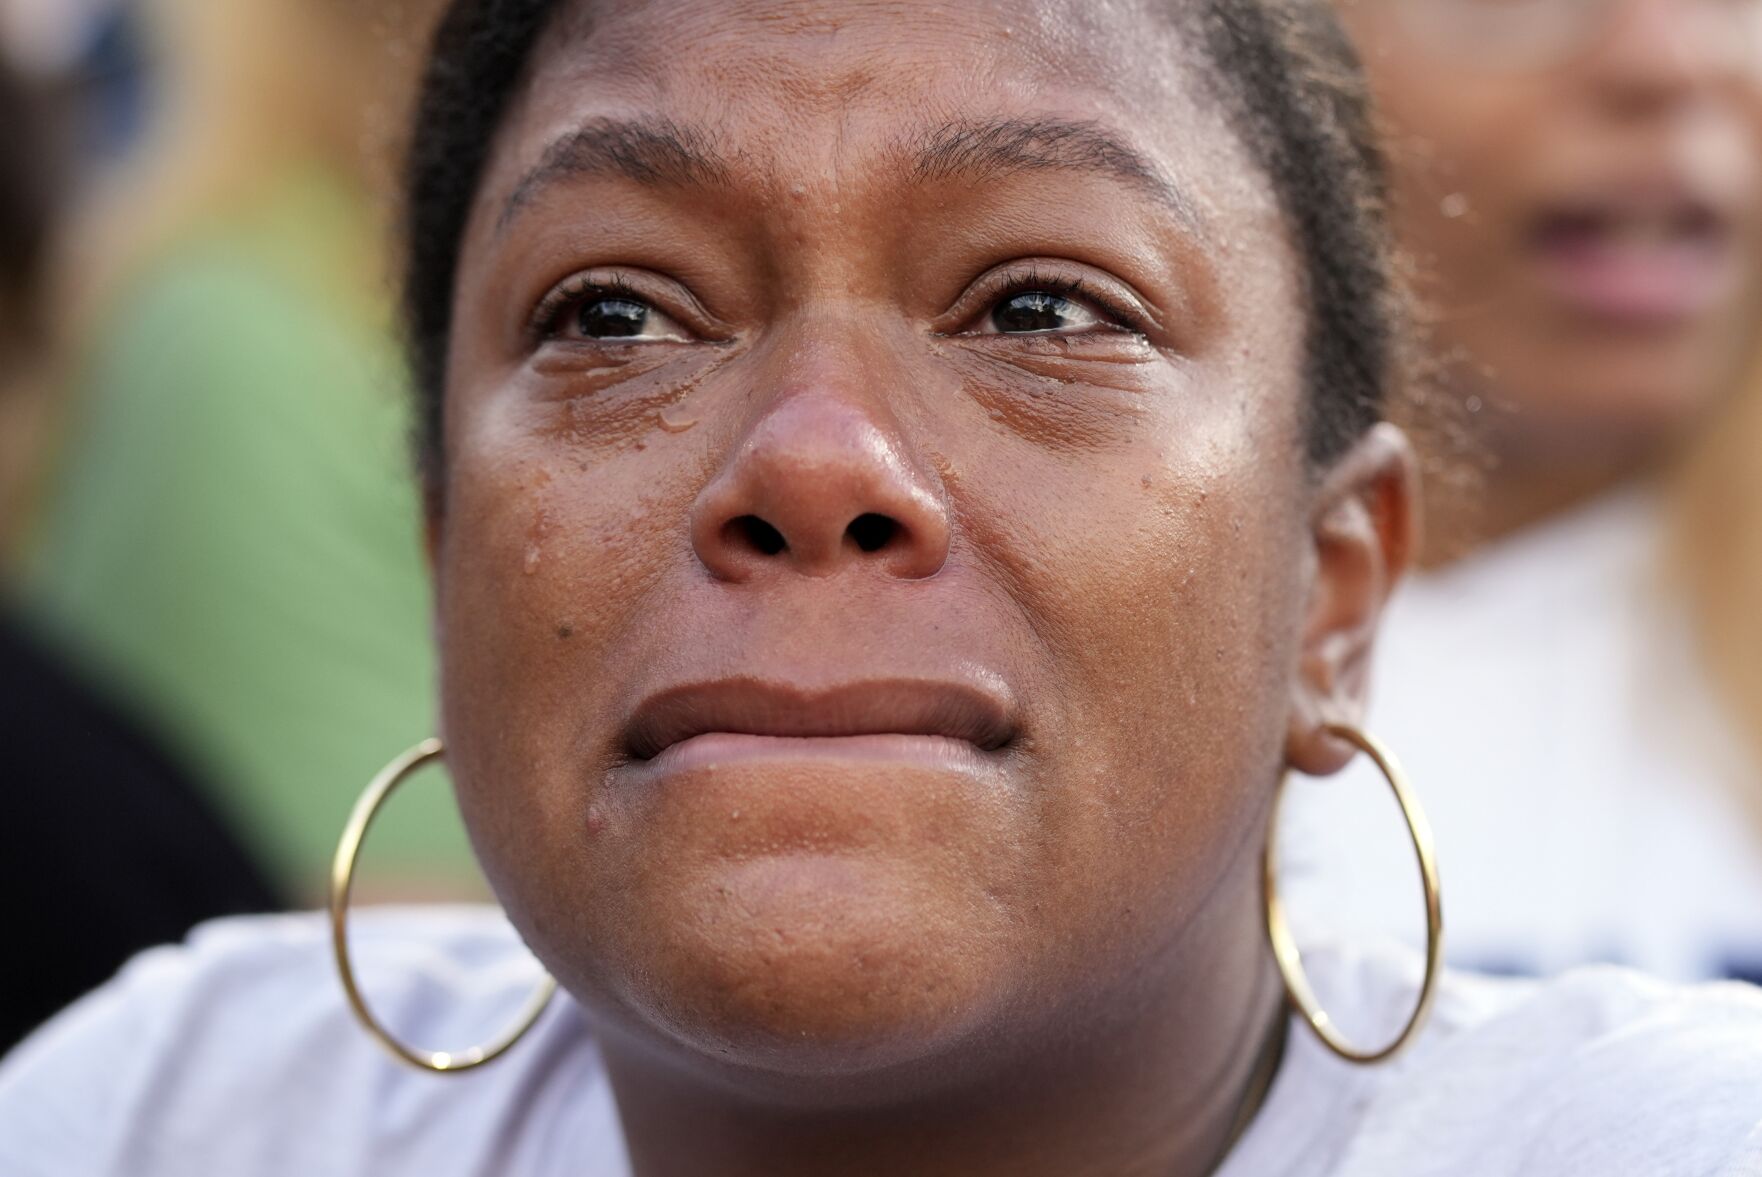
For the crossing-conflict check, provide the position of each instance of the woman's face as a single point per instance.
(878, 578)
(1579, 183)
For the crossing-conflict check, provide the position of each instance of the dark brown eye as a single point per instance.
(602, 314)
(1033, 312)
(612, 318)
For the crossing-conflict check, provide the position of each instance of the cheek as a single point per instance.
(1452, 121)
(1465, 156)
(1458, 153)
(1159, 580)
(551, 553)
(1456, 140)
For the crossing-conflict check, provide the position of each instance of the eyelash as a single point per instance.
(549, 314)
(1063, 286)
(548, 317)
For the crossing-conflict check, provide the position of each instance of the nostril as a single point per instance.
(752, 532)
(872, 532)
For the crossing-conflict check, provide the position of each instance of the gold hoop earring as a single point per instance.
(342, 878)
(1284, 945)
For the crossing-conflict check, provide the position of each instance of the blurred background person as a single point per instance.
(111, 845)
(1577, 683)
(229, 537)
(75, 75)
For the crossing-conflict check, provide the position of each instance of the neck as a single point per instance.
(1161, 1091)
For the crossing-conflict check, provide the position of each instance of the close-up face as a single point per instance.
(1579, 183)
(875, 548)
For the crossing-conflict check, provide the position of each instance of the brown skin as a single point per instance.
(1040, 955)
(1565, 401)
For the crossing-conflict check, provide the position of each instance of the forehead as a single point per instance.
(825, 90)
(824, 52)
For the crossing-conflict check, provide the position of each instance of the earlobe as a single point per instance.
(1364, 530)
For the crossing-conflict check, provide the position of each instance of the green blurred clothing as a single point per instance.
(234, 540)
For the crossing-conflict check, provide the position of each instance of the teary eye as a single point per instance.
(613, 317)
(1033, 311)
(588, 309)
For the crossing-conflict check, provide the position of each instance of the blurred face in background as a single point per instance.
(1578, 184)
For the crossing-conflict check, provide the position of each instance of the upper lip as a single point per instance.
(980, 715)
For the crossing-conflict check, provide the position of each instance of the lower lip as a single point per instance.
(715, 749)
(1661, 287)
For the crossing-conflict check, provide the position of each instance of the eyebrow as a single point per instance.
(990, 150)
(648, 151)
(659, 152)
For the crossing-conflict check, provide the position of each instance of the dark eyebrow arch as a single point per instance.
(648, 151)
(996, 148)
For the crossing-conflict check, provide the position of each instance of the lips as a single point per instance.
(859, 716)
(1648, 257)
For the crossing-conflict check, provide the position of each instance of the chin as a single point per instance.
(1629, 420)
(809, 919)
(817, 965)
(1616, 401)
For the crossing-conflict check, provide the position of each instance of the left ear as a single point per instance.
(1364, 528)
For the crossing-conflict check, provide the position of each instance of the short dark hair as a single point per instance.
(1282, 69)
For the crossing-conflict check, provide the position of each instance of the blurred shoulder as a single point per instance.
(1599, 1071)
(213, 1054)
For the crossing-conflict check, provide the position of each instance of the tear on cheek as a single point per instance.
(536, 534)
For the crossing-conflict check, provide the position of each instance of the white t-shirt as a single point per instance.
(235, 1055)
(1582, 778)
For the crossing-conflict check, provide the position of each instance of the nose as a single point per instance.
(818, 485)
